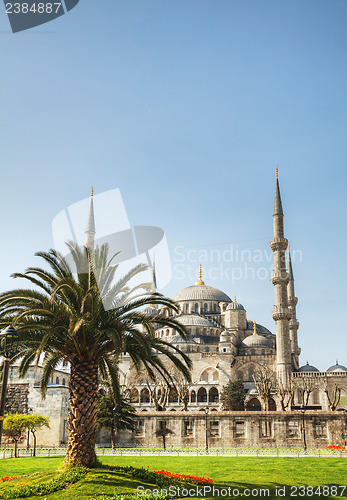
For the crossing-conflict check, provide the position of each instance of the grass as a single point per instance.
(237, 472)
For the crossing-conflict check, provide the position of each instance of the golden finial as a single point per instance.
(92, 192)
(254, 328)
(235, 299)
(200, 282)
(276, 172)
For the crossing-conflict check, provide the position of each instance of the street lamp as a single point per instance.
(9, 341)
(303, 409)
(30, 410)
(206, 428)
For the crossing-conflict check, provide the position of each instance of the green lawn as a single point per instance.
(236, 472)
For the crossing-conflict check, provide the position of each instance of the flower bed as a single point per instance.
(184, 477)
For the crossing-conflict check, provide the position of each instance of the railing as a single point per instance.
(318, 374)
(123, 450)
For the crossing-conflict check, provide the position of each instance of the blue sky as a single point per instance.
(187, 107)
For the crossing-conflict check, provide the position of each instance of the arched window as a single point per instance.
(213, 395)
(210, 374)
(196, 308)
(202, 395)
(173, 396)
(214, 307)
(144, 396)
(192, 397)
(253, 405)
(63, 381)
(186, 308)
(315, 397)
(57, 380)
(205, 307)
(239, 376)
(134, 395)
(272, 405)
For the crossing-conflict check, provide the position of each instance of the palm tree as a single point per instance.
(84, 320)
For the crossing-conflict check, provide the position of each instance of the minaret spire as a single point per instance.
(200, 281)
(280, 279)
(293, 322)
(90, 226)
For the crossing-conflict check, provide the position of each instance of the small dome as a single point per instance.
(193, 320)
(308, 368)
(260, 328)
(337, 368)
(235, 305)
(201, 292)
(256, 341)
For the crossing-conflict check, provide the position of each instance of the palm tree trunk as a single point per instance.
(82, 415)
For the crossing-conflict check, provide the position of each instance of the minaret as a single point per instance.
(90, 227)
(293, 322)
(280, 279)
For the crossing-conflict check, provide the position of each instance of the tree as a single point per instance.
(15, 424)
(65, 320)
(163, 432)
(35, 423)
(264, 381)
(304, 386)
(332, 392)
(286, 393)
(114, 416)
(233, 396)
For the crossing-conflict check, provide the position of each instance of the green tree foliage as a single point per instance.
(233, 396)
(15, 424)
(64, 320)
(35, 423)
(114, 415)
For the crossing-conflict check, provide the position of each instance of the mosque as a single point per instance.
(224, 345)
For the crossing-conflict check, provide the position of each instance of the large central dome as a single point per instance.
(201, 292)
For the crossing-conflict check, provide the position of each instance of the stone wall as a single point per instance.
(238, 429)
(17, 398)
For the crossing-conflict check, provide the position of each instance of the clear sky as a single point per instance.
(187, 106)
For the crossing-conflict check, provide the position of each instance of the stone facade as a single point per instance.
(24, 395)
(239, 429)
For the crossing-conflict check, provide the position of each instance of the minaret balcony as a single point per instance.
(293, 324)
(278, 244)
(280, 278)
(281, 313)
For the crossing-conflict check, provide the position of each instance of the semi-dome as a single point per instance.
(194, 320)
(180, 340)
(308, 368)
(201, 292)
(256, 341)
(337, 368)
